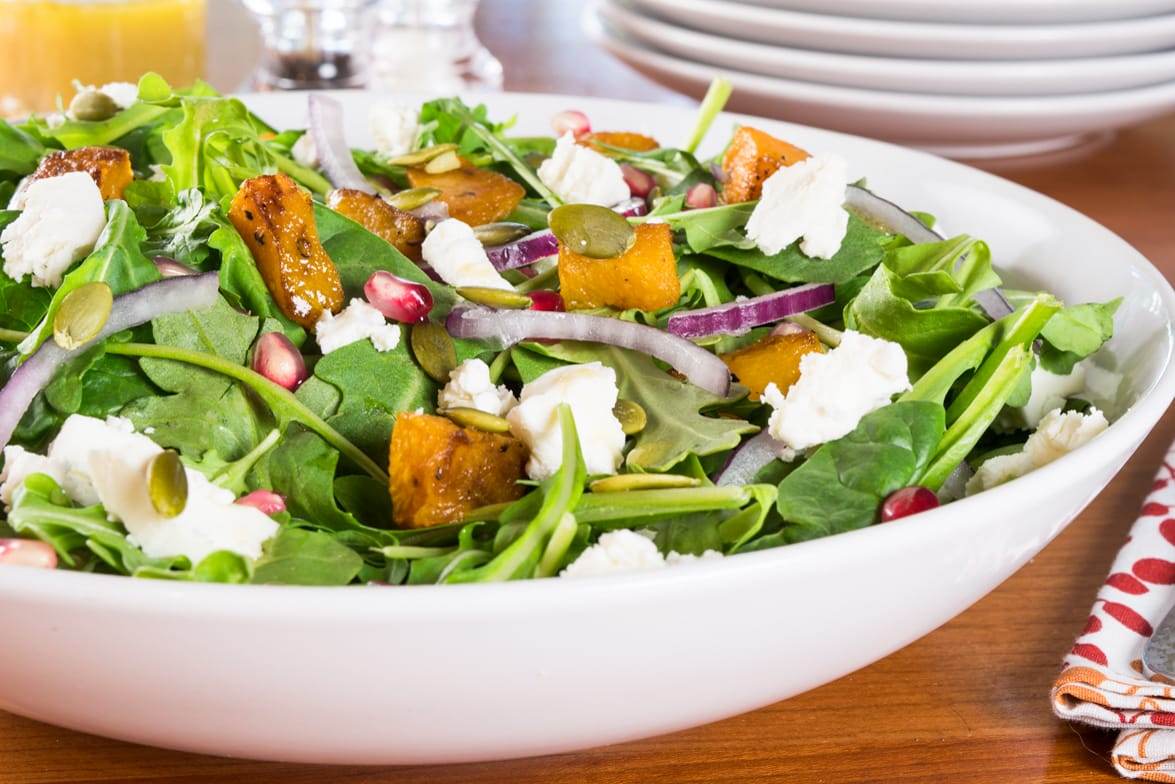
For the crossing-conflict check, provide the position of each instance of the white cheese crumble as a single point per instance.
(394, 128)
(18, 465)
(803, 200)
(1050, 391)
(357, 321)
(453, 250)
(1058, 434)
(304, 152)
(470, 387)
(627, 551)
(61, 221)
(836, 389)
(122, 93)
(105, 461)
(580, 175)
(590, 390)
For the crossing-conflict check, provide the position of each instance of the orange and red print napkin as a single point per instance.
(1104, 681)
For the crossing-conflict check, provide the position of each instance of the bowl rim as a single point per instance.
(338, 602)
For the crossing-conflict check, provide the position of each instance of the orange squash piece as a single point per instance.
(773, 359)
(402, 230)
(109, 166)
(645, 277)
(275, 218)
(627, 140)
(751, 158)
(473, 195)
(440, 472)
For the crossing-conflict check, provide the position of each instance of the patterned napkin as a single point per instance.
(1104, 681)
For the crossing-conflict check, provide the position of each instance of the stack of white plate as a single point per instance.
(968, 78)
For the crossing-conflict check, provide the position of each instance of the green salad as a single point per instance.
(238, 353)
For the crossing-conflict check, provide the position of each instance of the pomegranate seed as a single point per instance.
(907, 501)
(27, 552)
(640, 184)
(279, 360)
(400, 300)
(787, 328)
(571, 120)
(267, 501)
(546, 300)
(701, 196)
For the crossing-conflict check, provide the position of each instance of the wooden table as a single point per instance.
(983, 714)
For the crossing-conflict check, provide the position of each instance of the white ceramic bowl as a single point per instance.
(475, 672)
(918, 39)
(1001, 78)
(960, 126)
(988, 11)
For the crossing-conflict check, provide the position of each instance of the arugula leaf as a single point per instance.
(296, 556)
(840, 487)
(182, 232)
(19, 152)
(1076, 332)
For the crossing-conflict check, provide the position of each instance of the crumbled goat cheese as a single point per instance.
(803, 200)
(18, 465)
(580, 175)
(836, 389)
(453, 250)
(628, 551)
(590, 390)
(357, 321)
(394, 128)
(1050, 391)
(62, 219)
(1058, 434)
(304, 152)
(122, 93)
(470, 387)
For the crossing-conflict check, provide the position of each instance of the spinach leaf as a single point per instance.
(241, 282)
(840, 487)
(19, 151)
(302, 469)
(1076, 332)
(296, 556)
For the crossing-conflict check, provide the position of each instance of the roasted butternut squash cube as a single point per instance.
(440, 471)
(751, 158)
(773, 359)
(276, 219)
(645, 277)
(627, 140)
(402, 230)
(473, 195)
(109, 166)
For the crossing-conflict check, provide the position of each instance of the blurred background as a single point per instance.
(991, 79)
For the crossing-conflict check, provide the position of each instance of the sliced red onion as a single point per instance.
(170, 268)
(542, 244)
(326, 128)
(163, 297)
(435, 211)
(748, 460)
(740, 316)
(632, 208)
(698, 365)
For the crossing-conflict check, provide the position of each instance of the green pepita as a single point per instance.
(503, 299)
(167, 483)
(491, 234)
(631, 416)
(434, 351)
(92, 106)
(82, 315)
(412, 198)
(478, 419)
(624, 482)
(592, 231)
(421, 156)
(445, 162)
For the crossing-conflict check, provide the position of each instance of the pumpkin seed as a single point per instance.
(495, 298)
(434, 351)
(478, 419)
(82, 315)
(167, 483)
(421, 156)
(624, 482)
(491, 234)
(631, 416)
(445, 162)
(412, 198)
(92, 106)
(592, 231)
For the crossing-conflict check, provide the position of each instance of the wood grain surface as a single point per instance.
(982, 714)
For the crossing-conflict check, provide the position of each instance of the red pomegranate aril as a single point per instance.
(266, 501)
(907, 501)
(701, 196)
(640, 184)
(27, 552)
(571, 120)
(279, 360)
(546, 300)
(401, 300)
